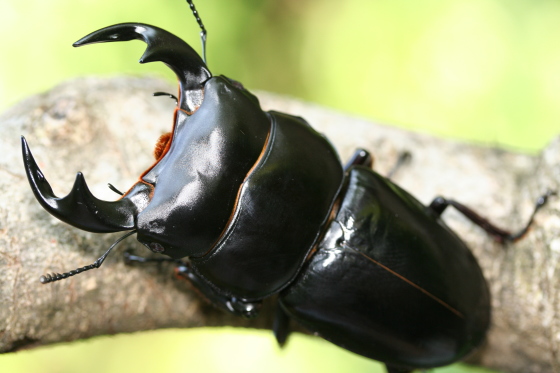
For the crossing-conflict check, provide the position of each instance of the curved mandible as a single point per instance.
(80, 208)
(165, 47)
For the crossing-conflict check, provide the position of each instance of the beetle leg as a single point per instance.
(238, 307)
(360, 157)
(364, 158)
(439, 204)
(393, 369)
(234, 305)
(129, 258)
(404, 157)
(281, 325)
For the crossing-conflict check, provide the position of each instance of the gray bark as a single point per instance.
(108, 127)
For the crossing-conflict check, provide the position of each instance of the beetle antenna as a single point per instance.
(203, 32)
(156, 94)
(52, 277)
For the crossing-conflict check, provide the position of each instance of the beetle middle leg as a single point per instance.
(404, 157)
(360, 157)
(439, 204)
(238, 307)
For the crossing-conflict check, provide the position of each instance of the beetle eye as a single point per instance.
(161, 145)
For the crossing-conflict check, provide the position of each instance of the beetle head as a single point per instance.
(181, 205)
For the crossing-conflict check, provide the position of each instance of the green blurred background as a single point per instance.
(480, 70)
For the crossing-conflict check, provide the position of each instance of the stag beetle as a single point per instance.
(257, 203)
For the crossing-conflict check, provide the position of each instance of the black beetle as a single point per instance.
(259, 204)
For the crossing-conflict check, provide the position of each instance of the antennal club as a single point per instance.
(52, 277)
(203, 32)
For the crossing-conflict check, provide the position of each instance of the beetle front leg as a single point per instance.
(439, 204)
(238, 307)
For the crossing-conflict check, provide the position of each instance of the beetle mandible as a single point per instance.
(257, 203)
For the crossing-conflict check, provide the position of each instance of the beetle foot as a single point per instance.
(248, 310)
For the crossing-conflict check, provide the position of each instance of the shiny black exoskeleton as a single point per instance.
(257, 203)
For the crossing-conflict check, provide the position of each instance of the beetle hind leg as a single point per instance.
(439, 204)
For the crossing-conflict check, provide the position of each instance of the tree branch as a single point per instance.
(107, 128)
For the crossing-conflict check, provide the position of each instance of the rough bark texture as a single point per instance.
(108, 127)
